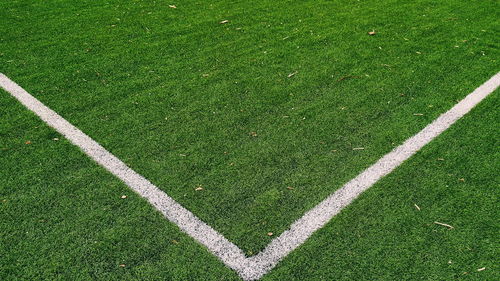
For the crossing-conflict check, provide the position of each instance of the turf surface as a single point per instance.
(189, 102)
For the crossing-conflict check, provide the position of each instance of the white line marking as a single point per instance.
(252, 268)
(318, 216)
(229, 253)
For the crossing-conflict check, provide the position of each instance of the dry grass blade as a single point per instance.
(444, 224)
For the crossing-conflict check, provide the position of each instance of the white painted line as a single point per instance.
(318, 216)
(229, 253)
(253, 268)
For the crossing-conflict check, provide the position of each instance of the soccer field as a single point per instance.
(276, 140)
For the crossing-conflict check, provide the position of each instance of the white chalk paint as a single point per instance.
(252, 268)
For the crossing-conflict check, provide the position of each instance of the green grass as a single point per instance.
(176, 95)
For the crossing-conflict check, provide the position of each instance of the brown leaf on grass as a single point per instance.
(224, 21)
(372, 32)
(289, 188)
(27, 142)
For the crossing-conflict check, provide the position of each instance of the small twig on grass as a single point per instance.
(347, 77)
(444, 224)
(417, 207)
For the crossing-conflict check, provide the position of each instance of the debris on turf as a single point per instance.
(417, 207)
(358, 148)
(224, 21)
(173, 6)
(372, 32)
(55, 139)
(253, 134)
(347, 77)
(418, 114)
(199, 188)
(292, 74)
(444, 224)
(123, 196)
(289, 188)
(122, 265)
(27, 142)
(269, 234)
(440, 159)
(481, 269)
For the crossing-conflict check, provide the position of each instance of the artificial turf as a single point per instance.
(189, 102)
